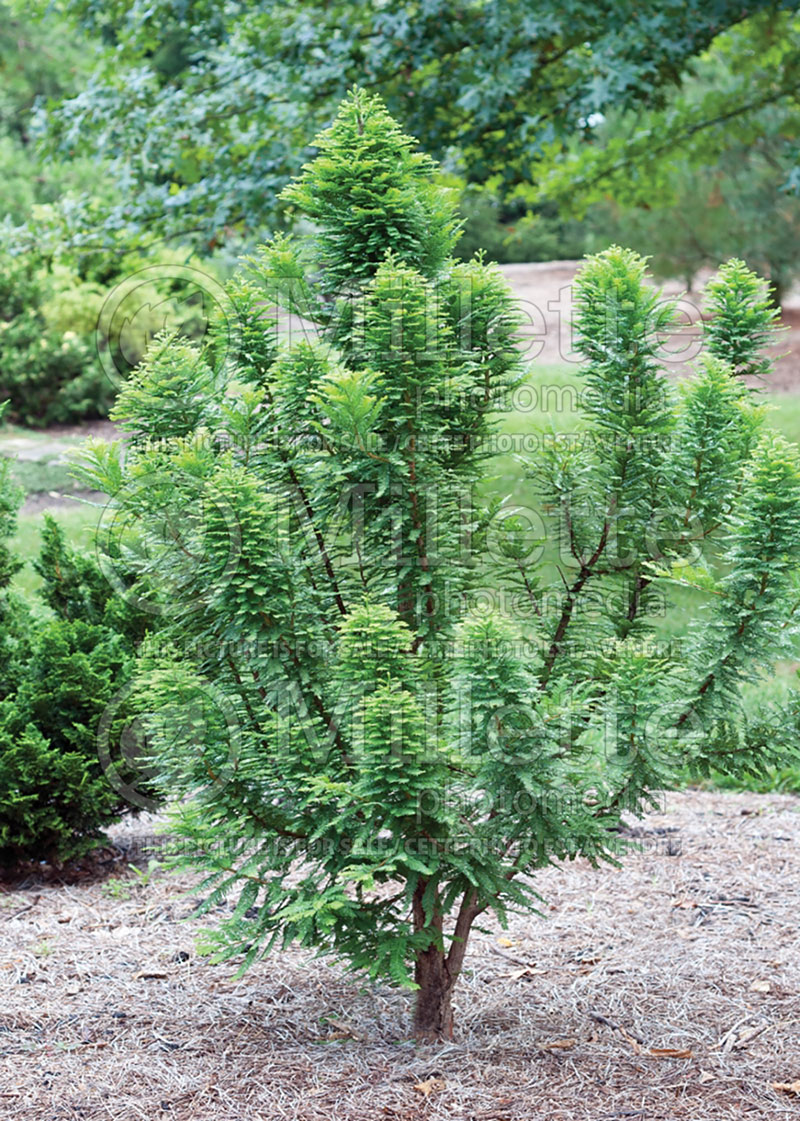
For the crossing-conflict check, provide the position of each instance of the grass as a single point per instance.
(45, 478)
(48, 481)
(77, 519)
(555, 397)
(547, 403)
(12, 433)
(785, 414)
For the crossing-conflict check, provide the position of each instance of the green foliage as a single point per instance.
(66, 339)
(509, 233)
(10, 499)
(14, 616)
(55, 793)
(732, 99)
(500, 88)
(743, 319)
(52, 806)
(77, 591)
(32, 67)
(60, 682)
(772, 721)
(759, 555)
(698, 218)
(41, 58)
(246, 343)
(169, 391)
(74, 671)
(362, 756)
(392, 204)
(128, 299)
(715, 170)
(56, 318)
(718, 426)
(46, 376)
(74, 586)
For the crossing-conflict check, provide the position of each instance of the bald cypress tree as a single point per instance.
(363, 758)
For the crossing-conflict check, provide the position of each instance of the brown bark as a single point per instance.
(436, 972)
(433, 1011)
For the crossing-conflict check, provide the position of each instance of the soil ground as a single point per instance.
(666, 991)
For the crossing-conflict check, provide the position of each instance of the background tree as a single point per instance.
(510, 232)
(42, 58)
(63, 342)
(202, 112)
(741, 93)
(373, 762)
(726, 190)
(741, 206)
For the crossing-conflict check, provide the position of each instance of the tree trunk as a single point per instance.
(435, 971)
(433, 1012)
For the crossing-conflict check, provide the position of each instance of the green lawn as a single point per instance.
(548, 402)
(78, 521)
(785, 414)
(39, 468)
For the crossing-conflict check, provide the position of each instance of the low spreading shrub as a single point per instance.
(69, 338)
(63, 683)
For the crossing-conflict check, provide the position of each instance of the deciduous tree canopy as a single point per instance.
(204, 110)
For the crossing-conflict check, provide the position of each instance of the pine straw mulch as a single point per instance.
(693, 948)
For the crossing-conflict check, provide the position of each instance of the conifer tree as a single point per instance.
(363, 758)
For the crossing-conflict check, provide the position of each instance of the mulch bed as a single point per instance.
(667, 990)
